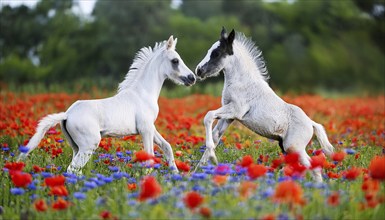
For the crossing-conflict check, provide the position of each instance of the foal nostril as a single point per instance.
(191, 77)
(199, 71)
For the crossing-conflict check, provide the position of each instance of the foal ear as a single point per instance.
(231, 37)
(170, 43)
(223, 33)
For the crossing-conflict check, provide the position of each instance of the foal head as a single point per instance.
(215, 59)
(174, 67)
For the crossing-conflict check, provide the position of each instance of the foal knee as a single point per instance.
(209, 118)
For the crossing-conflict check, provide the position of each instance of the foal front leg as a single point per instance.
(226, 112)
(167, 150)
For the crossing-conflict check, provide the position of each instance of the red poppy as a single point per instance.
(131, 186)
(60, 204)
(59, 191)
(377, 168)
(14, 166)
(317, 161)
(338, 156)
(370, 186)
(40, 205)
(333, 175)
(142, 156)
(37, 169)
(55, 181)
(246, 161)
(149, 188)
(255, 170)
(178, 153)
(289, 192)
(268, 217)
(219, 180)
(192, 199)
(246, 188)
(334, 199)
(291, 158)
(205, 212)
(182, 166)
(20, 179)
(105, 214)
(277, 162)
(352, 173)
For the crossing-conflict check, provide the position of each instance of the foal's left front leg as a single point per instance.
(224, 112)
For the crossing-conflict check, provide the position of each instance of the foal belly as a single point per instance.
(266, 127)
(119, 126)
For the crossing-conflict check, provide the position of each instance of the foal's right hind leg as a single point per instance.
(87, 139)
(69, 139)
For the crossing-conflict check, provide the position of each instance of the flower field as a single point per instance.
(254, 180)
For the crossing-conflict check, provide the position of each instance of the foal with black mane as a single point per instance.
(248, 98)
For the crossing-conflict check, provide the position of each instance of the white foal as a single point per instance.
(133, 110)
(248, 98)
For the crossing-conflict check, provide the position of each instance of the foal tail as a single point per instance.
(44, 125)
(323, 139)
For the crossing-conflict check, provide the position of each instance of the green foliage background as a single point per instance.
(309, 45)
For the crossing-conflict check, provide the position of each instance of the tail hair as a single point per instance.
(44, 125)
(323, 139)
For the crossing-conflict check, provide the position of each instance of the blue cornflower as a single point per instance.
(90, 185)
(198, 176)
(17, 191)
(113, 168)
(46, 174)
(198, 188)
(32, 186)
(132, 202)
(133, 195)
(117, 176)
(100, 183)
(5, 148)
(131, 180)
(176, 177)
(283, 217)
(79, 195)
(71, 180)
(108, 179)
(350, 151)
(100, 201)
(268, 192)
(222, 169)
(33, 197)
(308, 184)
(23, 149)
(119, 154)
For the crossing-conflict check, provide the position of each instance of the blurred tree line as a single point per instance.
(308, 45)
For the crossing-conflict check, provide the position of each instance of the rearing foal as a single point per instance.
(133, 110)
(247, 97)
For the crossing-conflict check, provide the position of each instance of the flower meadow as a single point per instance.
(254, 179)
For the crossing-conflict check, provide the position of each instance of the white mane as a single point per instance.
(141, 58)
(254, 52)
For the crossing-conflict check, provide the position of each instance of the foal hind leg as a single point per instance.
(69, 139)
(296, 142)
(87, 139)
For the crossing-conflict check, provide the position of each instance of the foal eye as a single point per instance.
(175, 61)
(214, 54)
